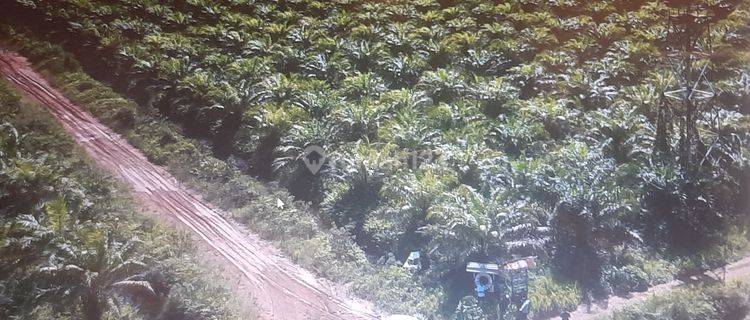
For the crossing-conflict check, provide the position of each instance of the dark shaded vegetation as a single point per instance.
(541, 126)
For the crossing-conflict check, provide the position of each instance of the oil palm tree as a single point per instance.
(442, 85)
(75, 264)
(289, 59)
(93, 272)
(591, 206)
(401, 39)
(328, 67)
(26, 183)
(363, 85)
(291, 147)
(517, 134)
(439, 53)
(356, 177)
(318, 104)
(404, 99)
(485, 63)
(280, 88)
(361, 120)
(495, 95)
(408, 131)
(465, 223)
(24, 239)
(365, 55)
(403, 71)
(405, 199)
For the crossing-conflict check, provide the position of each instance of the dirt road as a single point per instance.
(281, 289)
(739, 270)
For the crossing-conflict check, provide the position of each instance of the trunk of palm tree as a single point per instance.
(92, 309)
(691, 138)
(663, 129)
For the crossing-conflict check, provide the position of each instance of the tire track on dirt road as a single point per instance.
(282, 289)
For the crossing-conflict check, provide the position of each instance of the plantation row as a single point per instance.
(71, 248)
(547, 118)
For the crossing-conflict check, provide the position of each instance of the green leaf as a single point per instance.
(57, 214)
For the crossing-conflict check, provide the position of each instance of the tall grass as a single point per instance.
(550, 296)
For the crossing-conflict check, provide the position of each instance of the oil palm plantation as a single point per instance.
(539, 114)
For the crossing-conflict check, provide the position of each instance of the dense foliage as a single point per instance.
(468, 130)
(71, 248)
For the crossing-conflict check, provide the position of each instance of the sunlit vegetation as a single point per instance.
(539, 128)
(72, 248)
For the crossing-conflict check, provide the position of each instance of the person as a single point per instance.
(523, 310)
(479, 287)
(565, 315)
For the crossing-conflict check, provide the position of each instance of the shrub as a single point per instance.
(9, 100)
(101, 101)
(549, 296)
(626, 279)
(732, 246)
(633, 270)
(397, 291)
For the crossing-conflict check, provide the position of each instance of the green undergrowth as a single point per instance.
(292, 226)
(733, 248)
(550, 296)
(704, 302)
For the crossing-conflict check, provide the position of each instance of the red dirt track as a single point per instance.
(282, 289)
